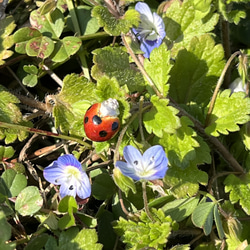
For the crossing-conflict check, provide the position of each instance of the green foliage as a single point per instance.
(31, 78)
(6, 153)
(145, 233)
(228, 112)
(239, 190)
(10, 112)
(7, 25)
(113, 25)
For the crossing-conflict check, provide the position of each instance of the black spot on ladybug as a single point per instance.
(115, 126)
(71, 187)
(97, 120)
(103, 133)
(86, 119)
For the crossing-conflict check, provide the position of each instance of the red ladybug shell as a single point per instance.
(99, 128)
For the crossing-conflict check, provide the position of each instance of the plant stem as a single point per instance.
(43, 132)
(145, 200)
(94, 36)
(140, 118)
(219, 83)
(73, 15)
(141, 68)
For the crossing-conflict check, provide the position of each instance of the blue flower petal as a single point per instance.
(133, 157)
(144, 9)
(68, 160)
(52, 173)
(147, 46)
(84, 187)
(127, 170)
(68, 188)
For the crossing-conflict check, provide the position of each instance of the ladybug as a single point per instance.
(101, 121)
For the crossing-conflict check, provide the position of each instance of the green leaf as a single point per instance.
(229, 111)
(50, 24)
(158, 67)
(123, 182)
(29, 201)
(180, 209)
(196, 70)
(239, 188)
(69, 112)
(202, 216)
(30, 79)
(7, 25)
(5, 233)
(65, 48)
(184, 21)
(185, 182)
(218, 223)
(10, 113)
(180, 146)
(161, 118)
(88, 25)
(14, 181)
(103, 187)
(114, 62)
(145, 233)
(115, 26)
(6, 152)
(37, 242)
(41, 47)
(22, 36)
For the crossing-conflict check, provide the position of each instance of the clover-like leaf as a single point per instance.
(228, 113)
(68, 111)
(196, 70)
(114, 62)
(161, 117)
(10, 113)
(29, 201)
(158, 67)
(6, 152)
(31, 78)
(116, 25)
(65, 48)
(7, 25)
(180, 146)
(41, 47)
(50, 24)
(239, 188)
(184, 21)
(185, 182)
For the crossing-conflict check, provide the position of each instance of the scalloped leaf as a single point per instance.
(22, 36)
(184, 21)
(158, 67)
(65, 48)
(115, 26)
(7, 25)
(239, 188)
(69, 112)
(161, 118)
(180, 146)
(41, 47)
(185, 182)
(229, 111)
(114, 62)
(50, 24)
(196, 70)
(145, 233)
(6, 152)
(10, 113)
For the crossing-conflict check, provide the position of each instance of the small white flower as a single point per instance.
(237, 86)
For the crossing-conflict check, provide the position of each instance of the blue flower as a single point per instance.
(67, 172)
(150, 166)
(151, 30)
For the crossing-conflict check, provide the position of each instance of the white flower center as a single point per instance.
(72, 172)
(148, 29)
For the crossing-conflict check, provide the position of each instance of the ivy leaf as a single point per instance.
(50, 24)
(145, 233)
(184, 21)
(158, 67)
(115, 26)
(180, 146)
(161, 118)
(196, 70)
(65, 48)
(68, 111)
(239, 188)
(7, 25)
(185, 182)
(10, 113)
(229, 111)
(114, 62)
